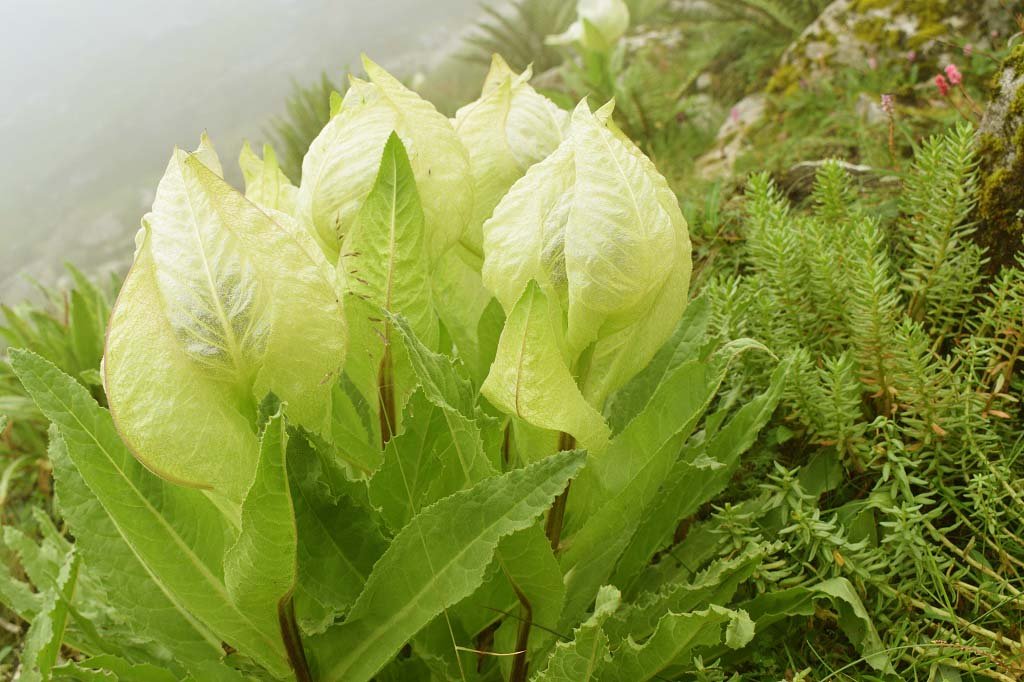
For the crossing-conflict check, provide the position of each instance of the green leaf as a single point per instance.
(413, 461)
(140, 600)
(583, 658)
(206, 325)
(613, 494)
(339, 542)
(435, 561)
(676, 639)
(45, 636)
(527, 561)
(176, 533)
(530, 377)
(260, 568)
(619, 486)
(468, 460)
(715, 585)
(382, 254)
(854, 619)
(108, 667)
(685, 344)
(85, 330)
(688, 486)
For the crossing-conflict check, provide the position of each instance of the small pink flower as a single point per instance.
(953, 74)
(872, 63)
(735, 115)
(942, 84)
(968, 50)
(888, 104)
(912, 56)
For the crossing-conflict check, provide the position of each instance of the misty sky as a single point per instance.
(96, 93)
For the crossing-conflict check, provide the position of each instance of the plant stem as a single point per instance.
(553, 528)
(521, 663)
(293, 640)
(386, 394)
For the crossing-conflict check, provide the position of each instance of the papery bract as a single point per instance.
(342, 162)
(220, 295)
(266, 184)
(507, 130)
(600, 231)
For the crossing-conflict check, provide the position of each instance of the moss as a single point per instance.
(927, 33)
(785, 80)
(1015, 60)
(1001, 168)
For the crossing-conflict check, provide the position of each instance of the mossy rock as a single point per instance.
(850, 32)
(1000, 146)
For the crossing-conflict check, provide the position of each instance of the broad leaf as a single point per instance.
(437, 560)
(583, 658)
(382, 255)
(106, 667)
(619, 486)
(176, 533)
(140, 599)
(715, 585)
(339, 542)
(45, 636)
(689, 484)
(260, 568)
(675, 641)
(530, 377)
(769, 608)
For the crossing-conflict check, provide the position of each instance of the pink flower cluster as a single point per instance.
(953, 74)
(953, 77)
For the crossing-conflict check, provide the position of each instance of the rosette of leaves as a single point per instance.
(206, 325)
(589, 256)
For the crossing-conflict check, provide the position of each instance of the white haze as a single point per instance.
(96, 93)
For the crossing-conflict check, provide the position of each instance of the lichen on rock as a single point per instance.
(1000, 148)
(850, 32)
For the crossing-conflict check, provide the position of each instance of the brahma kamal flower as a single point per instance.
(342, 163)
(589, 255)
(599, 24)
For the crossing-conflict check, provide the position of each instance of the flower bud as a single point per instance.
(601, 233)
(206, 325)
(342, 163)
(599, 24)
(507, 130)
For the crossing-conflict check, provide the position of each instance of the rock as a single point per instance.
(732, 138)
(869, 108)
(852, 32)
(1000, 146)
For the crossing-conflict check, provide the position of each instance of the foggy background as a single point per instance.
(95, 94)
